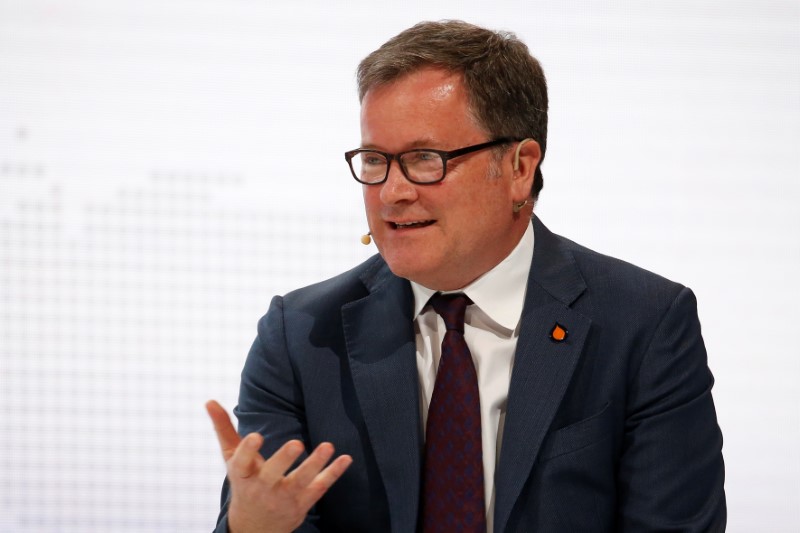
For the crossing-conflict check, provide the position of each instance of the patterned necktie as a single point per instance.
(453, 496)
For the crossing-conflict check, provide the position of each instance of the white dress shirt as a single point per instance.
(491, 330)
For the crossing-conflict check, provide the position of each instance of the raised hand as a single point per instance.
(264, 497)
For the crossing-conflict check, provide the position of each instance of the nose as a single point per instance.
(397, 188)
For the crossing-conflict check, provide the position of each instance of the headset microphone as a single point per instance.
(366, 239)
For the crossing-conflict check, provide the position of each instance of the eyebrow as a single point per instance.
(424, 142)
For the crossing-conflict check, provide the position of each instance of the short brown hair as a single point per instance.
(505, 84)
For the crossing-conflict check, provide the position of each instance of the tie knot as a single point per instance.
(451, 307)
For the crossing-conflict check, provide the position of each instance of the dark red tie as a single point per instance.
(453, 499)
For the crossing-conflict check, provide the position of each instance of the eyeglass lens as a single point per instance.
(419, 165)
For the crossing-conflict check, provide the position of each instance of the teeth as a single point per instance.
(407, 224)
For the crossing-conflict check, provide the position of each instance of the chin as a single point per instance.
(405, 268)
(402, 270)
(414, 263)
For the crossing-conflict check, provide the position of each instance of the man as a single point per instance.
(588, 381)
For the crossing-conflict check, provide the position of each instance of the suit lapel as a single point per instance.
(382, 353)
(542, 367)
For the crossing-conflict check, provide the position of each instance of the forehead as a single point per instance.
(422, 75)
(429, 103)
(436, 83)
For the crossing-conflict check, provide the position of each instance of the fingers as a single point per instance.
(332, 473)
(241, 454)
(246, 460)
(325, 479)
(226, 434)
(304, 474)
(311, 479)
(276, 466)
(308, 482)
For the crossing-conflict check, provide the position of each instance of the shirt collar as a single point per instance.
(497, 292)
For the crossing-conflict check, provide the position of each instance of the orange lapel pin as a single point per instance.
(558, 333)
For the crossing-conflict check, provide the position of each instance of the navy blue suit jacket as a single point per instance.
(613, 429)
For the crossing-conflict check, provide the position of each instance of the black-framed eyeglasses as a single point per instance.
(423, 166)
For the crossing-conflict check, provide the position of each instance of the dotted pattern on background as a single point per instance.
(113, 336)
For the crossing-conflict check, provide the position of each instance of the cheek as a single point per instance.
(485, 212)
(372, 208)
(371, 200)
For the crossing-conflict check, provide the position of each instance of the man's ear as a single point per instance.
(526, 159)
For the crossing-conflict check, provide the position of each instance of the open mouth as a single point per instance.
(410, 225)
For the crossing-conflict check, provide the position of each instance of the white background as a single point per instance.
(167, 166)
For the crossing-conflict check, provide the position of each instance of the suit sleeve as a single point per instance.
(671, 471)
(270, 399)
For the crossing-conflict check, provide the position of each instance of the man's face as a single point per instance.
(460, 227)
